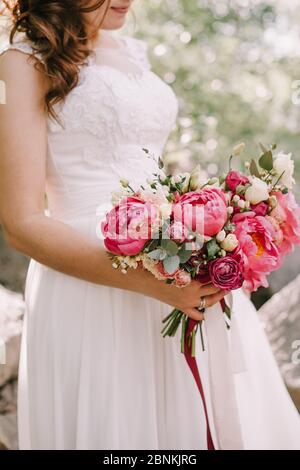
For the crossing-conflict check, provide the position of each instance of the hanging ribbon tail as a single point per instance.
(222, 386)
(191, 361)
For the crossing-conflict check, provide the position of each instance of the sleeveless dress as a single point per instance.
(95, 371)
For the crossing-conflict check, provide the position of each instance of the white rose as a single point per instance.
(257, 192)
(230, 243)
(283, 163)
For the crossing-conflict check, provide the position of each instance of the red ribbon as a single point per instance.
(194, 369)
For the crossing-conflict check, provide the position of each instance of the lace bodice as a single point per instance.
(118, 107)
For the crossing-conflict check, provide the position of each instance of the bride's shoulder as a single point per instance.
(20, 42)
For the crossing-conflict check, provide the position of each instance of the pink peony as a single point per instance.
(234, 179)
(260, 208)
(127, 227)
(226, 273)
(203, 211)
(260, 254)
(287, 216)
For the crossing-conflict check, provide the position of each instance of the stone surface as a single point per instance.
(281, 318)
(11, 313)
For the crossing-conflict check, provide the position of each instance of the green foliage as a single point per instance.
(234, 68)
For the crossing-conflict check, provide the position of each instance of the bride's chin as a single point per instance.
(113, 24)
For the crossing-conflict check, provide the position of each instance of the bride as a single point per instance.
(95, 372)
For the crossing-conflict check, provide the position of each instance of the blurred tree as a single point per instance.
(234, 66)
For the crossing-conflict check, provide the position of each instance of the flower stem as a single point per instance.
(201, 335)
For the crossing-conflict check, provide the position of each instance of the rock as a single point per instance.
(11, 313)
(8, 416)
(8, 432)
(281, 318)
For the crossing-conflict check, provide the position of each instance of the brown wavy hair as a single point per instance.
(57, 31)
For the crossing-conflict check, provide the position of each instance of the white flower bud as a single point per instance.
(273, 202)
(236, 198)
(162, 175)
(230, 243)
(230, 210)
(238, 149)
(241, 203)
(124, 183)
(221, 236)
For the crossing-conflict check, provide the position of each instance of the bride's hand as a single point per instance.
(187, 299)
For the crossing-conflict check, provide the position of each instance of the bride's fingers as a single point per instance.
(194, 314)
(208, 289)
(211, 300)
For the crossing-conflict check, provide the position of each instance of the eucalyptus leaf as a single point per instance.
(212, 248)
(157, 254)
(184, 255)
(266, 161)
(254, 169)
(170, 246)
(263, 147)
(171, 263)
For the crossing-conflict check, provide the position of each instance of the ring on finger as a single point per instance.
(202, 304)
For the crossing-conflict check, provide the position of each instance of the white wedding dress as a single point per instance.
(95, 371)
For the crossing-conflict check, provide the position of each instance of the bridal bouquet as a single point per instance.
(232, 230)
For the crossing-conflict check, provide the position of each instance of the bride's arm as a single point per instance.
(23, 137)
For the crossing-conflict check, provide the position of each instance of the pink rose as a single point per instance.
(259, 252)
(260, 209)
(287, 215)
(226, 273)
(127, 227)
(202, 211)
(234, 179)
(182, 278)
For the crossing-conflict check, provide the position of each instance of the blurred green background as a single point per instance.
(234, 65)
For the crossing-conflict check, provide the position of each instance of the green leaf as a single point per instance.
(184, 255)
(171, 263)
(266, 161)
(212, 248)
(264, 150)
(158, 254)
(153, 244)
(254, 169)
(170, 246)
